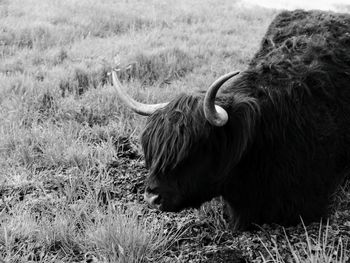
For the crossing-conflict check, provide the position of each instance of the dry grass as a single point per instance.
(319, 249)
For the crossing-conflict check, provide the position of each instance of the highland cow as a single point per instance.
(274, 143)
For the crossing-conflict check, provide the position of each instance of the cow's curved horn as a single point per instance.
(215, 114)
(138, 107)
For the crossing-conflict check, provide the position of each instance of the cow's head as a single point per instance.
(181, 147)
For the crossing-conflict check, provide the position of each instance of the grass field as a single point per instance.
(71, 172)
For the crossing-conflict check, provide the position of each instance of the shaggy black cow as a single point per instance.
(276, 143)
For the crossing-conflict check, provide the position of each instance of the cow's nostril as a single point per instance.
(157, 200)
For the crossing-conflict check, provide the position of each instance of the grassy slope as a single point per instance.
(60, 120)
(55, 56)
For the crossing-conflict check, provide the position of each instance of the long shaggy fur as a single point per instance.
(286, 146)
(177, 129)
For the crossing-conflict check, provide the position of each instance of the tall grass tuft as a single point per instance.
(320, 249)
(125, 236)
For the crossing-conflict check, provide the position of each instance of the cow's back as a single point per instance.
(301, 79)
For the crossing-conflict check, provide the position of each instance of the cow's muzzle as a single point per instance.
(152, 199)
